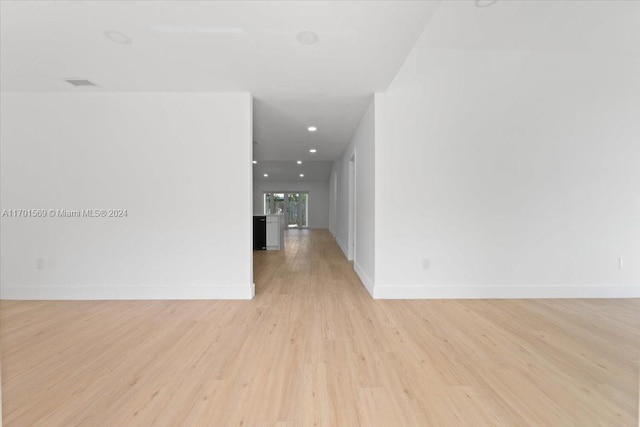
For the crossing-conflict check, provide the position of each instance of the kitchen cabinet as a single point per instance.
(275, 232)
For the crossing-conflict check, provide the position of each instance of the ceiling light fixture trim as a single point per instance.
(307, 37)
(118, 37)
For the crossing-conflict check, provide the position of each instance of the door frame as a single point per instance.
(286, 205)
(351, 243)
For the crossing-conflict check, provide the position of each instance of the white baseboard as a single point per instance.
(364, 278)
(343, 247)
(318, 227)
(512, 292)
(237, 292)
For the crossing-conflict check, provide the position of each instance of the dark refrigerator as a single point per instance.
(260, 232)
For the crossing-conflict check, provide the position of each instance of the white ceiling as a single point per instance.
(611, 26)
(251, 46)
(223, 46)
(290, 171)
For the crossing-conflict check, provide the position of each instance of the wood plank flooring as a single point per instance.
(313, 348)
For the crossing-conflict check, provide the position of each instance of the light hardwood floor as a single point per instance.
(313, 348)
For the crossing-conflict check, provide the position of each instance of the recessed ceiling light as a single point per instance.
(313, 150)
(299, 162)
(118, 37)
(312, 128)
(254, 162)
(307, 37)
(266, 175)
(301, 175)
(485, 3)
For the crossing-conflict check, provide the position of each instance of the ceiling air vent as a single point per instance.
(80, 82)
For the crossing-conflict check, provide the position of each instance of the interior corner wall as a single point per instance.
(318, 198)
(176, 162)
(506, 174)
(362, 146)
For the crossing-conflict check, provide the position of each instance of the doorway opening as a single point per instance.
(294, 205)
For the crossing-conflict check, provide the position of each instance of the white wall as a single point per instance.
(517, 174)
(318, 198)
(176, 161)
(333, 200)
(362, 145)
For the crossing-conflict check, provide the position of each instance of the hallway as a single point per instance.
(310, 265)
(313, 348)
